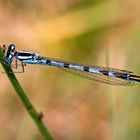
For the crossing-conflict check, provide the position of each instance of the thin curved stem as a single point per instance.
(26, 102)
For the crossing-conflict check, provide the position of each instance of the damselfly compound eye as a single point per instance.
(11, 47)
(10, 56)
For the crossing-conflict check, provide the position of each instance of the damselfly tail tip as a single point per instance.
(134, 78)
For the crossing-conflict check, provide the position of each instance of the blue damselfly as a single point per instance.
(97, 73)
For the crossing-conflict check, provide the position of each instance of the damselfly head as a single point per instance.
(9, 53)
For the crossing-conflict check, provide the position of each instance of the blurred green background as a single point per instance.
(95, 32)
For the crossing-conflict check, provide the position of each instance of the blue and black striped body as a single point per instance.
(97, 73)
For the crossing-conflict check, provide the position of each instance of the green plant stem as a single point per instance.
(27, 104)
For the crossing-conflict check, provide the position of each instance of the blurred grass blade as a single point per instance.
(27, 104)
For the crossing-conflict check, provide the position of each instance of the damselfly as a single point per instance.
(97, 73)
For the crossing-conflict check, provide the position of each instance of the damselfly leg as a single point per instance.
(17, 64)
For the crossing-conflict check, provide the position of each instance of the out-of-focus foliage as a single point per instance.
(85, 31)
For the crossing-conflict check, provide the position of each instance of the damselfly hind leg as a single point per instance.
(16, 65)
